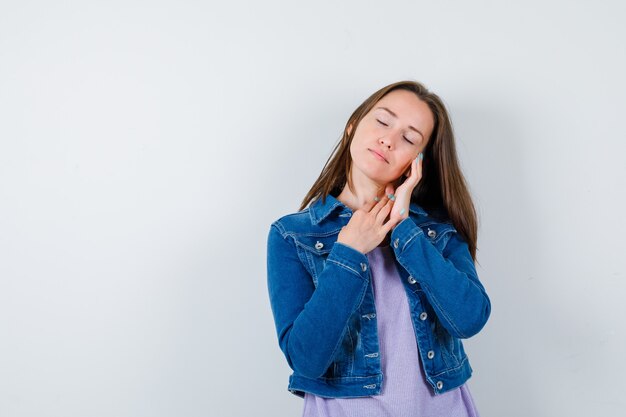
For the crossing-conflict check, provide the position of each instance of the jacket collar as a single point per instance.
(319, 211)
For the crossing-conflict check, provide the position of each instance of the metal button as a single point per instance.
(363, 266)
(423, 315)
(431, 233)
(319, 245)
(395, 243)
(411, 280)
(431, 354)
(439, 384)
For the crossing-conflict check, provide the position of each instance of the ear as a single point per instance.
(349, 129)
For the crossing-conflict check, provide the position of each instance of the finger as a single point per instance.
(415, 171)
(384, 212)
(379, 205)
(412, 168)
(389, 189)
(368, 206)
(419, 162)
(373, 206)
(386, 228)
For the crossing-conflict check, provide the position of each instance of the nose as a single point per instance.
(386, 140)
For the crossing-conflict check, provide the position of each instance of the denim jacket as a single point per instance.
(323, 304)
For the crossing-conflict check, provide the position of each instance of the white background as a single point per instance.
(146, 146)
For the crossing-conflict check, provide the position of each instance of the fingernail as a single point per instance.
(421, 156)
(376, 199)
(402, 212)
(391, 197)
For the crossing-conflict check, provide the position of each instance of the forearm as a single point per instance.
(311, 322)
(448, 278)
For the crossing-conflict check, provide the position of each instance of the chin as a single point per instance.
(381, 180)
(375, 172)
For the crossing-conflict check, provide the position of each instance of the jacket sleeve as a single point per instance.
(448, 278)
(311, 321)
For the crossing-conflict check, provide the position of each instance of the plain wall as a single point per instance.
(146, 146)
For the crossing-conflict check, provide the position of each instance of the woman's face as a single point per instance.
(398, 128)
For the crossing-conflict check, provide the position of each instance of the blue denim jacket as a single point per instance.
(323, 304)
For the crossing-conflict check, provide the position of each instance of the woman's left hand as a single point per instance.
(400, 209)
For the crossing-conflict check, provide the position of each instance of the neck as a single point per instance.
(362, 196)
(356, 201)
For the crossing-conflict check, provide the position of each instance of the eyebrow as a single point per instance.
(396, 116)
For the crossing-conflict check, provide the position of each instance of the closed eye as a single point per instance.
(385, 124)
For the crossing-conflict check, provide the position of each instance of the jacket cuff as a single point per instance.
(404, 232)
(350, 259)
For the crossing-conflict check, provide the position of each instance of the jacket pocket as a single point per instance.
(451, 348)
(343, 364)
(315, 249)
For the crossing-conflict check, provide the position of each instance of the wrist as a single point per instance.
(351, 245)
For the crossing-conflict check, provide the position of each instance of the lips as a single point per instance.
(379, 154)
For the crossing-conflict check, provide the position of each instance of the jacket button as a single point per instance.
(431, 354)
(411, 280)
(423, 315)
(431, 233)
(395, 243)
(363, 266)
(319, 245)
(439, 384)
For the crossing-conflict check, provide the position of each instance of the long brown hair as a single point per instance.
(442, 190)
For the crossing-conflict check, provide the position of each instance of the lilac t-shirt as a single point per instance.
(405, 391)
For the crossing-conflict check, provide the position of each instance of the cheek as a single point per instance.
(409, 156)
(406, 168)
(353, 147)
(359, 143)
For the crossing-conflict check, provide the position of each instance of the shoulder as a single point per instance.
(297, 231)
(293, 223)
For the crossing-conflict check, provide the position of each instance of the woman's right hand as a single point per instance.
(366, 230)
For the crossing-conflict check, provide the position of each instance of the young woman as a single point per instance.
(373, 285)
